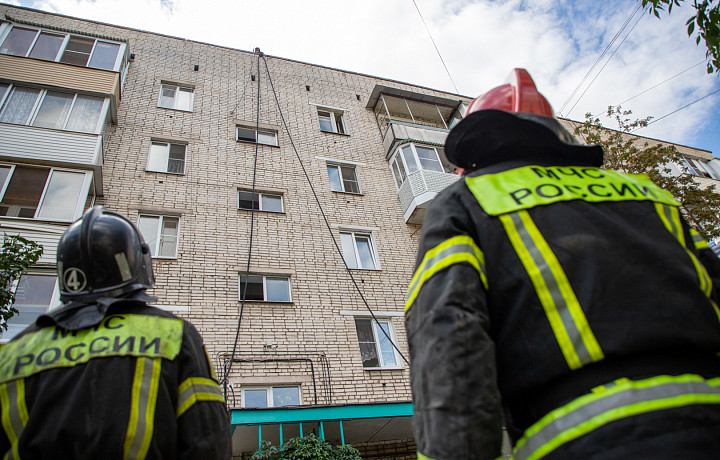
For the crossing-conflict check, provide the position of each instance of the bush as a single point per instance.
(307, 447)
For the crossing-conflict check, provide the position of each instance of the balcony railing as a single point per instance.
(398, 132)
(419, 189)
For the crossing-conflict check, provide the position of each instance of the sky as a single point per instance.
(651, 67)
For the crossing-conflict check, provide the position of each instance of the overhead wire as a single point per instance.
(676, 110)
(597, 61)
(322, 212)
(436, 48)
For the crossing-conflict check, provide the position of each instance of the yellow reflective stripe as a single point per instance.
(610, 403)
(455, 250)
(423, 457)
(116, 335)
(194, 389)
(14, 414)
(670, 216)
(567, 319)
(142, 411)
(530, 186)
(698, 240)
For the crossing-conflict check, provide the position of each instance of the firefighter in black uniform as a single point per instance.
(106, 376)
(569, 303)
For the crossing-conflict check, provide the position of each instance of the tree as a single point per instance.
(707, 21)
(18, 254)
(628, 153)
(307, 447)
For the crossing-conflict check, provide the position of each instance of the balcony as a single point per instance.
(418, 191)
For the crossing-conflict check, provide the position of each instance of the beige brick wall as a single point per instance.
(214, 234)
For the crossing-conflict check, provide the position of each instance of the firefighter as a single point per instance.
(571, 304)
(106, 375)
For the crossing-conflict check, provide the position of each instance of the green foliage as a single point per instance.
(707, 21)
(18, 254)
(308, 447)
(628, 153)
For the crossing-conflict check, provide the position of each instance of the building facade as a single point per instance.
(298, 188)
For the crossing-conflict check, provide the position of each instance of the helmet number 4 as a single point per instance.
(74, 279)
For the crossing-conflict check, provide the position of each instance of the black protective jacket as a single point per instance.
(543, 280)
(132, 382)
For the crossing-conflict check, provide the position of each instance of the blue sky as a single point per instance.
(558, 41)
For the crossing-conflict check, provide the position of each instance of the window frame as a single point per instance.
(178, 87)
(265, 292)
(257, 133)
(376, 343)
(158, 235)
(398, 159)
(335, 115)
(339, 167)
(54, 297)
(260, 195)
(269, 396)
(63, 46)
(354, 233)
(169, 145)
(37, 105)
(82, 193)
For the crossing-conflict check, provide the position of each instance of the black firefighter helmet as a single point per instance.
(102, 255)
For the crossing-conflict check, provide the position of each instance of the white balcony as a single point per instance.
(418, 191)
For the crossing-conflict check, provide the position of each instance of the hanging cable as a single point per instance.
(436, 48)
(229, 363)
(322, 212)
(597, 61)
(676, 111)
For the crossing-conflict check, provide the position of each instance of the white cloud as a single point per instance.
(480, 41)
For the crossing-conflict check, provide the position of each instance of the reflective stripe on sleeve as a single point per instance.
(698, 240)
(567, 319)
(455, 250)
(670, 216)
(613, 402)
(142, 410)
(423, 457)
(195, 389)
(14, 414)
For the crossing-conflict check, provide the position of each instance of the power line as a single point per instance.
(597, 61)
(436, 48)
(676, 110)
(662, 82)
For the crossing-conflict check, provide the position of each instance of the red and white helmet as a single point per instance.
(517, 94)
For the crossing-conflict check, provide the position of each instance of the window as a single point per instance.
(51, 109)
(265, 288)
(42, 193)
(166, 157)
(698, 167)
(35, 293)
(358, 250)
(411, 158)
(343, 178)
(271, 396)
(331, 121)
(161, 234)
(376, 349)
(260, 136)
(176, 97)
(56, 46)
(268, 202)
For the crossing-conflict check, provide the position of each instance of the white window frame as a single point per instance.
(258, 139)
(336, 115)
(354, 234)
(167, 144)
(54, 299)
(269, 393)
(158, 235)
(265, 293)
(118, 59)
(376, 342)
(260, 201)
(177, 88)
(398, 156)
(102, 115)
(82, 196)
(339, 167)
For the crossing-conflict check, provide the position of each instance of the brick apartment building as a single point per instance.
(176, 135)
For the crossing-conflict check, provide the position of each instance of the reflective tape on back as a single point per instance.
(530, 186)
(116, 335)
